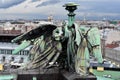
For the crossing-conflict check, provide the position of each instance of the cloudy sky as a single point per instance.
(40, 9)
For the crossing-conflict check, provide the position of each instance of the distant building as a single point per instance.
(6, 55)
(113, 36)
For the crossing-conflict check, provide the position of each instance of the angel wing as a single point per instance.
(45, 50)
(95, 43)
(45, 29)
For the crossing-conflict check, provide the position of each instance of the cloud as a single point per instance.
(103, 14)
(97, 15)
(49, 2)
(9, 3)
(95, 0)
(37, 8)
(35, 0)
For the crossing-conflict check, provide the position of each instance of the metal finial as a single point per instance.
(71, 7)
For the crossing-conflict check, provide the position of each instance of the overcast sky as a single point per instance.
(32, 9)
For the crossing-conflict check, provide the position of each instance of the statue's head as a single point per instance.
(58, 33)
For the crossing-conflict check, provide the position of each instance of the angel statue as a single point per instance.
(69, 45)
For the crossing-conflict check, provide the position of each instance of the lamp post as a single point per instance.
(71, 7)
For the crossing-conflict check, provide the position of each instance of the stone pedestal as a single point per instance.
(47, 74)
(73, 76)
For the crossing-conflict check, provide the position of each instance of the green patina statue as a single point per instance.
(70, 45)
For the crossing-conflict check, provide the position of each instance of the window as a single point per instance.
(2, 51)
(20, 52)
(9, 51)
(5, 52)
(26, 52)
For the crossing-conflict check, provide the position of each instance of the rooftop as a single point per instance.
(11, 46)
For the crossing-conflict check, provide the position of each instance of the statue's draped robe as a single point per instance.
(82, 43)
(76, 49)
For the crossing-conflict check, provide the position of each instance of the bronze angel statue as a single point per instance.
(69, 45)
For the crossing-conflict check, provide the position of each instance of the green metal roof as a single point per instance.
(7, 77)
(103, 78)
(114, 75)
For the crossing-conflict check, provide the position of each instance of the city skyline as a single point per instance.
(40, 9)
